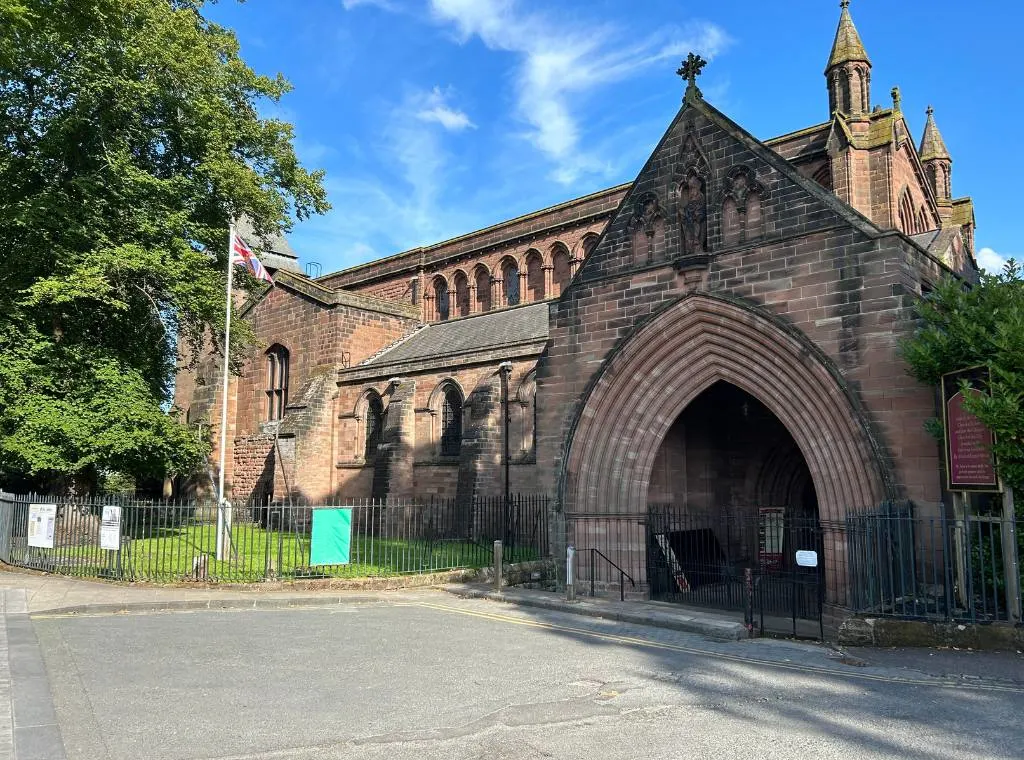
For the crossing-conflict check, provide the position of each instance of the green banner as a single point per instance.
(332, 537)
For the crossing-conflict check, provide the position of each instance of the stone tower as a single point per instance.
(849, 70)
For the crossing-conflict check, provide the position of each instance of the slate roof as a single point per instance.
(274, 251)
(524, 324)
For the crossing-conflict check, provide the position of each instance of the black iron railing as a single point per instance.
(623, 575)
(171, 541)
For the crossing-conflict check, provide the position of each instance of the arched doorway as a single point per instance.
(657, 373)
(730, 494)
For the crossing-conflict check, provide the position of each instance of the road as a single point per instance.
(438, 677)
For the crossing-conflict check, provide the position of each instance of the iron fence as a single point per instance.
(171, 541)
(891, 562)
(903, 564)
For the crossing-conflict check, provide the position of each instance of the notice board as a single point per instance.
(332, 537)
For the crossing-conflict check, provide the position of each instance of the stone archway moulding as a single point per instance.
(681, 352)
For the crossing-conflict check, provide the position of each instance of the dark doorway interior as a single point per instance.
(730, 491)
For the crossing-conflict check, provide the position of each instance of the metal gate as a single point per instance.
(741, 561)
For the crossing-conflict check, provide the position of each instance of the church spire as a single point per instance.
(847, 46)
(932, 145)
(849, 69)
(938, 164)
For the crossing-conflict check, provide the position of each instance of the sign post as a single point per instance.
(1011, 561)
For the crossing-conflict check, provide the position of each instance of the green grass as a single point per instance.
(257, 554)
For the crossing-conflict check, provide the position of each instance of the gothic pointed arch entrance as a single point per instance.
(701, 342)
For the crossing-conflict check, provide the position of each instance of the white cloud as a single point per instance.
(435, 108)
(990, 260)
(560, 61)
(400, 205)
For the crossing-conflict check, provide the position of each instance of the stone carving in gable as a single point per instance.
(741, 206)
(693, 214)
(647, 227)
(691, 191)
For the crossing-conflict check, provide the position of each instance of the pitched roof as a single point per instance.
(494, 329)
(932, 145)
(273, 250)
(847, 46)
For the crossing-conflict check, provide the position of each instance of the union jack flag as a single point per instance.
(242, 254)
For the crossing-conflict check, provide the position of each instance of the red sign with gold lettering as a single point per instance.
(970, 463)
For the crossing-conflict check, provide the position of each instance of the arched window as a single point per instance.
(374, 426)
(442, 304)
(461, 294)
(562, 267)
(823, 176)
(535, 276)
(906, 214)
(277, 382)
(510, 274)
(451, 422)
(527, 398)
(483, 289)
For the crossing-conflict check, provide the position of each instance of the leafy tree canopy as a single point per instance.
(129, 137)
(982, 325)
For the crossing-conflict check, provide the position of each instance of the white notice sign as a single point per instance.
(42, 523)
(806, 558)
(110, 528)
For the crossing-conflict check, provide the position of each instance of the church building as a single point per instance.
(721, 334)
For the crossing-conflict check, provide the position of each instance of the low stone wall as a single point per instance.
(539, 574)
(890, 632)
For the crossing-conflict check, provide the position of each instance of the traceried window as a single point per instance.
(374, 426)
(510, 275)
(451, 422)
(907, 218)
(277, 382)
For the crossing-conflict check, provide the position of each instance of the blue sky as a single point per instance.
(433, 118)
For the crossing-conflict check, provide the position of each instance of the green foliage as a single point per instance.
(129, 137)
(982, 325)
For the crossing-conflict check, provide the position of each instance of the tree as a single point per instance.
(964, 327)
(129, 137)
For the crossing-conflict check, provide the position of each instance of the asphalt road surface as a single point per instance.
(446, 678)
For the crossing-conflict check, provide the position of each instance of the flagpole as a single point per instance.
(224, 397)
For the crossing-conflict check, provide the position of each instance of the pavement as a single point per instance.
(127, 644)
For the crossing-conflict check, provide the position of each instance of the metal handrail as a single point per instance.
(622, 575)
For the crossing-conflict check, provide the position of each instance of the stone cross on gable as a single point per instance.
(691, 69)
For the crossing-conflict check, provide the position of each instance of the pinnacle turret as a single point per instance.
(932, 145)
(847, 46)
(849, 70)
(936, 159)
